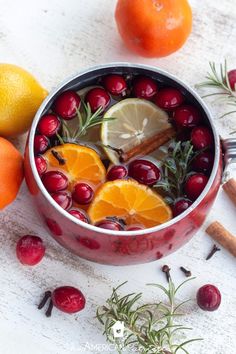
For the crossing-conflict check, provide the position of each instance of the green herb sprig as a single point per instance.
(176, 167)
(86, 120)
(149, 328)
(218, 80)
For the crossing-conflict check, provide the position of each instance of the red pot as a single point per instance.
(122, 248)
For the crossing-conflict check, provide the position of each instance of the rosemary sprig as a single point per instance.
(148, 328)
(86, 120)
(218, 80)
(176, 167)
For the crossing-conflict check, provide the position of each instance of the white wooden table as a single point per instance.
(53, 40)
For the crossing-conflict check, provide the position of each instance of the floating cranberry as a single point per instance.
(202, 138)
(97, 97)
(54, 181)
(144, 172)
(83, 193)
(134, 228)
(115, 84)
(187, 116)
(169, 98)
(49, 125)
(209, 297)
(68, 299)
(203, 162)
(30, 250)
(79, 214)
(67, 104)
(41, 164)
(180, 206)
(232, 79)
(195, 184)
(144, 87)
(110, 225)
(41, 143)
(63, 199)
(117, 172)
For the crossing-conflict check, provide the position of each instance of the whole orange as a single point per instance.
(11, 172)
(154, 28)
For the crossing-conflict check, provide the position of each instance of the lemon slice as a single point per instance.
(136, 120)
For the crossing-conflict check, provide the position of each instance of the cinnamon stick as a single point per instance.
(149, 145)
(230, 189)
(222, 236)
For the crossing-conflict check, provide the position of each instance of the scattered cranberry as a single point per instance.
(67, 104)
(115, 84)
(30, 250)
(209, 297)
(232, 79)
(63, 199)
(49, 125)
(194, 185)
(187, 116)
(83, 193)
(144, 87)
(66, 298)
(169, 98)
(117, 172)
(79, 214)
(54, 181)
(180, 206)
(97, 97)
(202, 138)
(41, 164)
(144, 172)
(134, 228)
(41, 143)
(110, 225)
(203, 162)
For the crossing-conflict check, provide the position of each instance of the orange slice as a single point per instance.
(81, 163)
(131, 201)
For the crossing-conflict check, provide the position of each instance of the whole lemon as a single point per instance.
(20, 98)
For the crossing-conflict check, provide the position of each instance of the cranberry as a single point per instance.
(195, 185)
(63, 199)
(41, 164)
(209, 297)
(180, 206)
(79, 214)
(83, 193)
(115, 84)
(97, 97)
(117, 172)
(49, 125)
(54, 181)
(30, 250)
(67, 104)
(110, 225)
(169, 98)
(144, 87)
(202, 138)
(134, 228)
(203, 162)
(41, 143)
(68, 299)
(144, 172)
(186, 116)
(232, 79)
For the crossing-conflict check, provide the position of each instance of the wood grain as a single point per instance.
(56, 39)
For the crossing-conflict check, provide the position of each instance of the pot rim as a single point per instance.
(93, 228)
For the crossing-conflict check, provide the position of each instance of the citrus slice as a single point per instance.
(80, 163)
(131, 201)
(136, 120)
